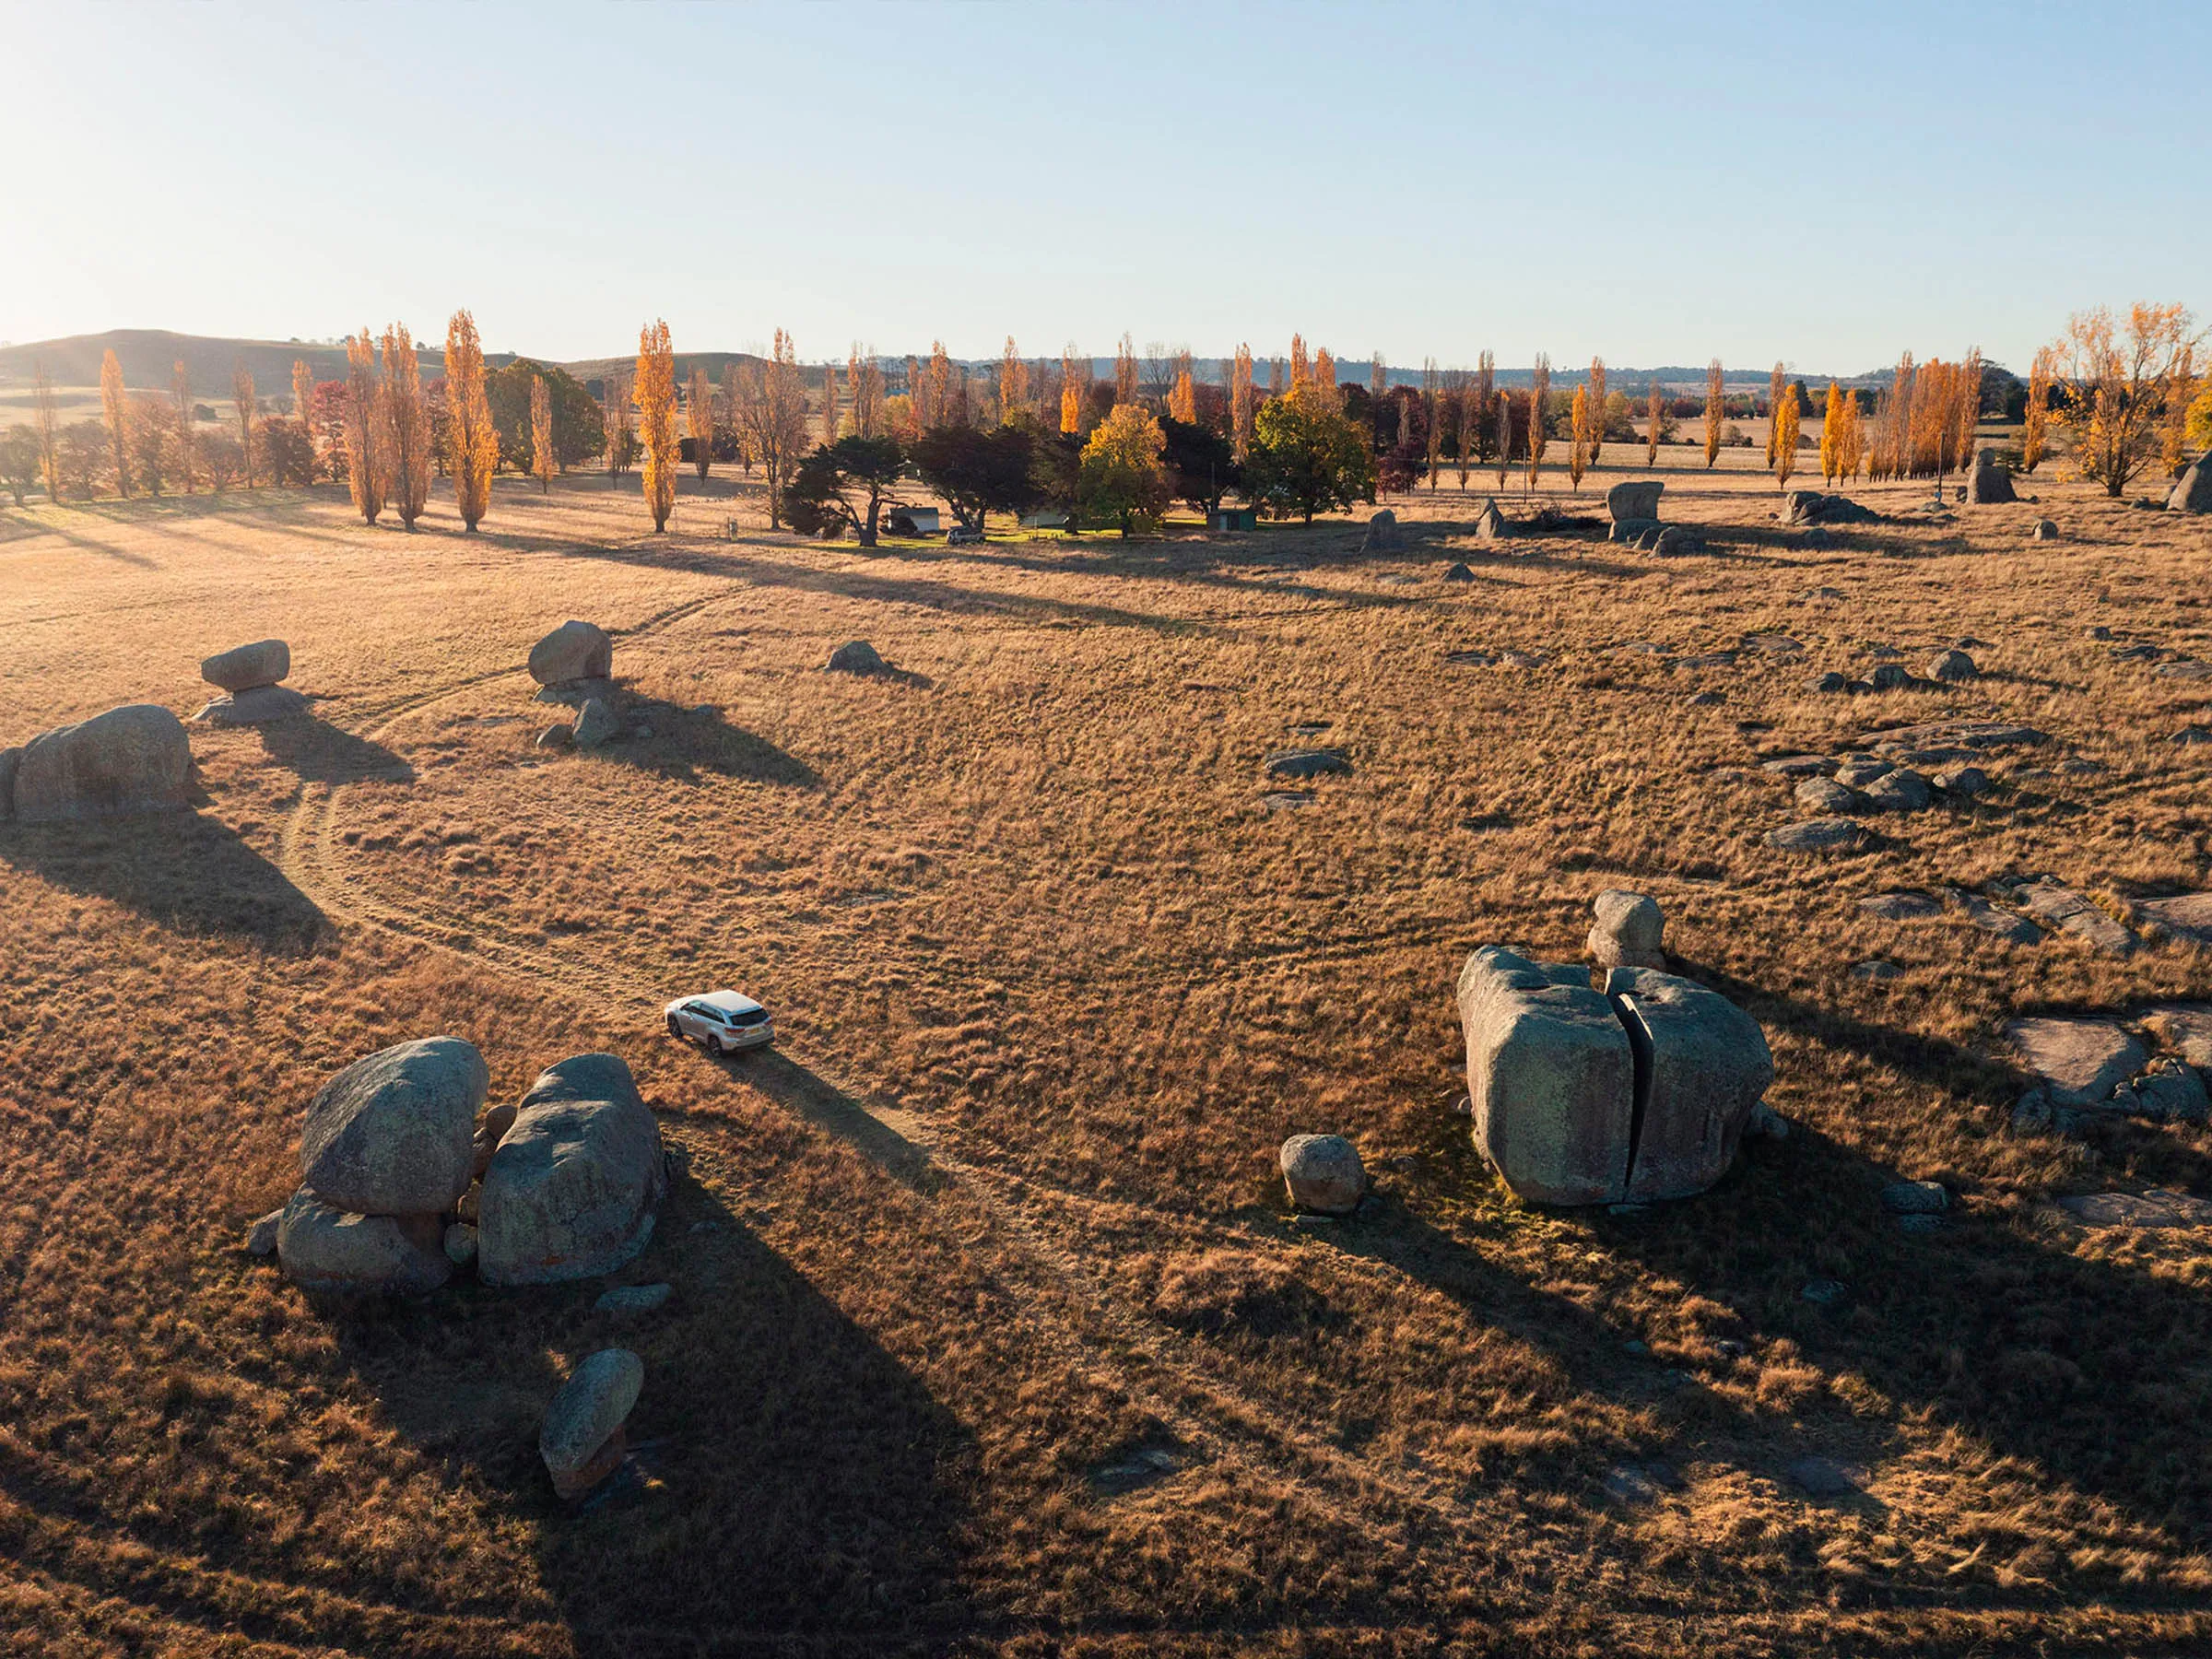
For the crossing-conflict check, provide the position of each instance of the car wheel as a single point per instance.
(674, 1030)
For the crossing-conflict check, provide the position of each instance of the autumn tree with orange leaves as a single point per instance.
(699, 417)
(1715, 398)
(406, 426)
(655, 396)
(472, 443)
(114, 409)
(365, 449)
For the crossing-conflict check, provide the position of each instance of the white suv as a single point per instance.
(721, 1022)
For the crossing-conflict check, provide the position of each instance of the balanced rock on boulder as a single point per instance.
(572, 1186)
(1634, 498)
(1626, 931)
(131, 760)
(1989, 483)
(1324, 1173)
(248, 674)
(574, 650)
(582, 1439)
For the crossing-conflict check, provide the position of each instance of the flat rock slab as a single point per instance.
(2186, 1027)
(2070, 912)
(1901, 907)
(1308, 763)
(2079, 1061)
(1822, 1477)
(1819, 835)
(2186, 917)
(1798, 766)
(256, 705)
(1960, 734)
(2157, 1207)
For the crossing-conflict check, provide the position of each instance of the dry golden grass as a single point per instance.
(1051, 985)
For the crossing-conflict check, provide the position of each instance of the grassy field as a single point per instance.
(992, 1331)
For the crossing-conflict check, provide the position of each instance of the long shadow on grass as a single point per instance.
(318, 752)
(788, 1480)
(829, 1108)
(182, 870)
(687, 742)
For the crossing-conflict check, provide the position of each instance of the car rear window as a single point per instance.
(757, 1016)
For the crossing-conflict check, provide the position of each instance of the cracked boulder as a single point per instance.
(572, 1187)
(1642, 1093)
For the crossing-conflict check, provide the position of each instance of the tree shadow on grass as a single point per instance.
(788, 1481)
(182, 870)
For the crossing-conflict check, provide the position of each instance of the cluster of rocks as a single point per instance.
(132, 759)
(1807, 507)
(1640, 1093)
(250, 677)
(2086, 1071)
(1905, 769)
(1948, 667)
(575, 665)
(1632, 510)
(400, 1183)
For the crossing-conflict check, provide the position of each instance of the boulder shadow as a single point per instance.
(182, 870)
(688, 742)
(317, 752)
(789, 1481)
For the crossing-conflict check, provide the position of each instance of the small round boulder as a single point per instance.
(574, 650)
(1324, 1173)
(1953, 665)
(1627, 930)
(855, 656)
(582, 1440)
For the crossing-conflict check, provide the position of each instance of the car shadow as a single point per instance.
(788, 1479)
(182, 870)
(829, 1108)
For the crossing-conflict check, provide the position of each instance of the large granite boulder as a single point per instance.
(131, 760)
(574, 650)
(1323, 1174)
(571, 1188)
(1551, 1079)
(2192, 490)
(1626, 931)
(1702, 1066)
(582, 1439)
(1382, 534)
(1989, 483)
(263, 663)
(389, 1136)
(1634, 498)
(323, 1247)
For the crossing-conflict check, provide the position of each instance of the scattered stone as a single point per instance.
(1459, 572)
(2192, 492)
(2191, 733)
(2189, 670)
(2032, 1113)
(2185, 919)
(1382, 533)
(1676, 541)
(1774, 645)
(1828, 797)
(1632, 532)
(1811, 507)
(2064, 909)
(2077, 1062)
(325, 1248)
(1964, 781)
(1877, 970)
(1900, 791)
(1705, 700)
(572, 1189)
(1491, 525)
(1287, 800)
(1822, 1477)
(1955, 734)
(1143, 1467)
(1890, 676)
(582, 1439)
(1815, 540)
(1626, 931)
(561, 736)
(2133, 653)
(1901, 907)
(1824, 1292)
(1829, 681)
(1820, 595)
(1767, 1124)
(1819, 835)
(1799, 766)
(1916, 1197)
(1986, 916)
(1642, 1483)
(2186, 1027)
(2158, 1206)
(596, 724)
(574, 650)
(1702, 1065)
(1953, 665)
(2173, 1092)
(1856, 771)
(460, 1244)
(1634, 498)
(855, 656)
(1308, 763)
(1989, 483)
(1323, 1174)
(131, 760)
(627, 1301)
(2100, 632)
(2044, 530)
(257, 705)
(389, 1135)
(260, 1237)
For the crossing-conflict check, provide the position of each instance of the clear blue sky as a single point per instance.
(1657, 183)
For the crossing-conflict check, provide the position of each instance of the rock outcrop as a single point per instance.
(572, 1187)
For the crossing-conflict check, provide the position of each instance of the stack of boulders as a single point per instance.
(1633, 508)
(1640, 1093)
(249, 676)
(574, 665)
(131, 760)
(2193, 491)
(392, 1155)
(1988, 483)
(583, 1437)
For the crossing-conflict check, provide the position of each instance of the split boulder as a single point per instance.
(1702, 1066)
(572, 1187)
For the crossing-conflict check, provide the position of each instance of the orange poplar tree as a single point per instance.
(474, 446)
(242, 400)
(541, 433)
(1012, 381)
(114, 411)
(1783, 435)
(655, 396)
(406, 425)
(303, 409)
(1579, 454)
(180, 391)
(699, 415)
(1125, 370)
(1715, 396)
(1831, 434)
(1240, 403)
(364, 449)
(1539, 391)
(49, 459)
(1654, 412)
(1597, 408)
(2035, 428)
(1777, 383)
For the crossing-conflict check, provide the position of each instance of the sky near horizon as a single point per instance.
(1657, 183)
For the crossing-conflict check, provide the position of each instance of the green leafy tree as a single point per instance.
(1306, 458)
(979, 473)
(19, 460)
(1123, 480)
(1201, 463)
(845, 486)
(578, 426)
